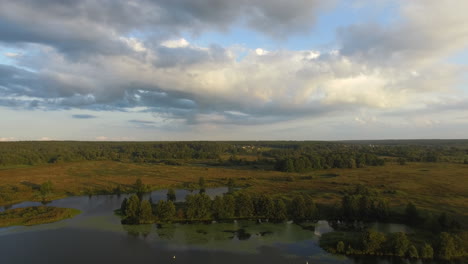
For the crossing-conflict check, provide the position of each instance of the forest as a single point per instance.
(289, 156)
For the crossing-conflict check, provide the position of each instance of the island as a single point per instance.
(35, 215)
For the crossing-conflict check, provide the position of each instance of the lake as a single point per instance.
(97, 236)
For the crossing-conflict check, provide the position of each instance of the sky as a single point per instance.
(151, 70)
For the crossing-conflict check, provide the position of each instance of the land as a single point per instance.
(35, 215)
(377, 177)
(437, 187)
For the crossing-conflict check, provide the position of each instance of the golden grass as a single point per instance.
(433, 186)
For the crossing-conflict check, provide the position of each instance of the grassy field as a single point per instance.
(433, 186)
(35, 215)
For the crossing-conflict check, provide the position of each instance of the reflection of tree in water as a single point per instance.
(166, 232)
(137, 230)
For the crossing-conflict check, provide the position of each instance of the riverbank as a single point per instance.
(35, 215)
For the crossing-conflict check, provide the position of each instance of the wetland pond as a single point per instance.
(97, 236)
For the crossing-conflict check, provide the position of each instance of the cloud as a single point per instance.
(83, 116)
(132, 56)
(12, 54)
(4, 139)
(141, 122)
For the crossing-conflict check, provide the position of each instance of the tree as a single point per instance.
(400, 244)
(132, 209)
(412, 214)
(230, 185)
(298, 208)
(447, 248)
(198, 206)
(340, 247)
(373, 241)
(382, 210)
(413, 252)
(171, 195)
(280, 212)
(365, 207)
(139, 187)
(427, 251)
(217, 207)
(123, 206)
(46, 189)
(201, 183)
(310, 212)
(244, 205)
(229, 206)
(146, 214)
(165, 210)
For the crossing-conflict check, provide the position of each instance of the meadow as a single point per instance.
(433, 187)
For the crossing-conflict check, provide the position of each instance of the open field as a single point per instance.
(432, 186)
(35, 215)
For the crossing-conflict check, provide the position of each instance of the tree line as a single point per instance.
(295, 156)
(200, 207)
(327, 161)
(446, 246)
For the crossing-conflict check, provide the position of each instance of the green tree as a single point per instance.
(132, 209)
(427, 251)
(311, 212)
(229, 206)
(280, 213)
(413, 252)
(198, 206)
(447, 248)
(382, 211)
(171, 195)
(123, 206)
(244, 205)
(218, 207)
(201, 183)
(146, 214)
(46, 189)
(139, 186)
(340, 247)
(165, 210)
(264, 206)
(290, 166)
(400, 244)
(373, 241)
(298, 208)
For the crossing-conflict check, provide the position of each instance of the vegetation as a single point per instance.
(421, 183)
(360, 207)
(35, 215)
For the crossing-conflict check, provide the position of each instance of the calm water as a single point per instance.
(96, 236)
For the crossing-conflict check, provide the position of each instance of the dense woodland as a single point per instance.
(290, 156)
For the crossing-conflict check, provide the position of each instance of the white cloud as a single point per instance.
(3, 139)
(175, 43)
(12, 54)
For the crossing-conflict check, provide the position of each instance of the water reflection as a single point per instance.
(297, 242)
